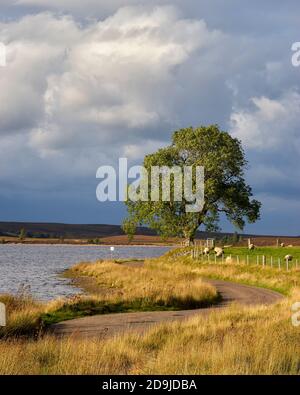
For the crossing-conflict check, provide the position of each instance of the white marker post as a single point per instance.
(112, 249)
(2, 315)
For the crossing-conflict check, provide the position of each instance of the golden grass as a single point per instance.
(23, 315)
(237, 340)
(120, 289)
(155, 283)
(276, 279)
(280, 281)
(259, 340)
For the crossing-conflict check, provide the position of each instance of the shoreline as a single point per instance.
(89, 245)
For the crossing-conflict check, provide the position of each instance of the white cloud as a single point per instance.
(270, 133)
(271, 124)
(30, 59)
(74, 97)
(78, 93)
(96, 8)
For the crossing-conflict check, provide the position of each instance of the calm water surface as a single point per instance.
(38, 266)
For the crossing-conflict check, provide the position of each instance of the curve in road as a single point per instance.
(104, 326)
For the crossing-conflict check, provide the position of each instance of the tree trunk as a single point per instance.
(190, 237)
(190, 242)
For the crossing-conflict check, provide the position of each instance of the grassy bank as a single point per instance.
(279, 280)
(258, 340)
(119, 288)
(116, 288)
(275, 252)
(23, 316)
(237, 340)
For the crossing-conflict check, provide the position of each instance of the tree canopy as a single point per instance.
(225, 188)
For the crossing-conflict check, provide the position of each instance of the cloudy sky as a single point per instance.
(87, 82)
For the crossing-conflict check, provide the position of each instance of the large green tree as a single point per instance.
(226, 191)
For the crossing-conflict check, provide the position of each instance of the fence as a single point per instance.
(210, 243)
(254, 260)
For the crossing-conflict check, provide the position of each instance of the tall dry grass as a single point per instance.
(267, 277)
(237, 340)
(153, 284)
(122, 289)
(23, 314)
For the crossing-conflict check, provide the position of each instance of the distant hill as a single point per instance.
(67, 231)
(81, 231)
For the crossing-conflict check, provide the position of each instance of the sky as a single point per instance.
(87, 82)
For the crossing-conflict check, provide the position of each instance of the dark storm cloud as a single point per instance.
(101, 81)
